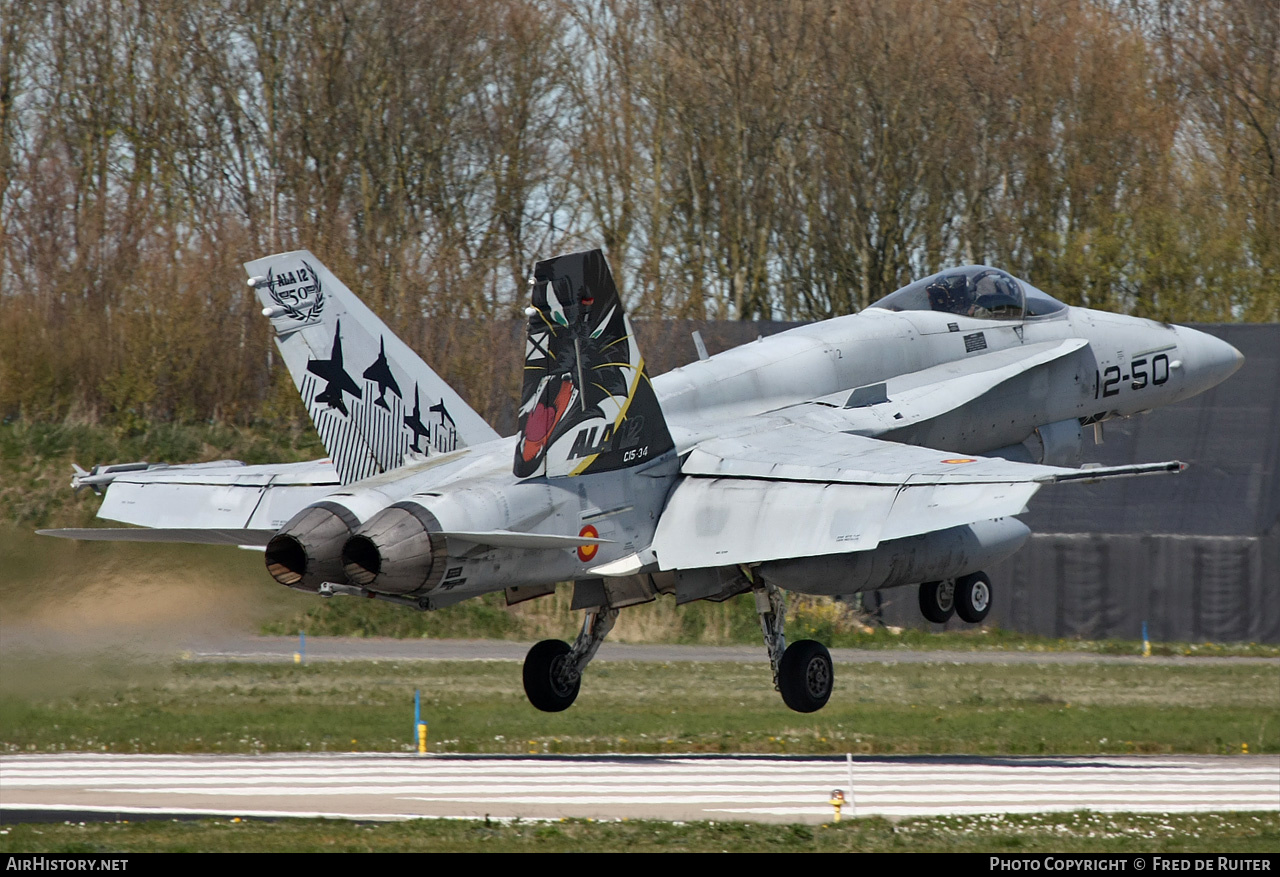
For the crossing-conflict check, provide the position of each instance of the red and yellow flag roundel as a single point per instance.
(586, 552)
(961, 460)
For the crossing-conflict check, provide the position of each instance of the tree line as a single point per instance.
(736, 159)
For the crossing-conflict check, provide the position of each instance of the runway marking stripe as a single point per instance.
(587, 785)
(1012, 783)
(976, 810)
(696, 795)
(752, 761)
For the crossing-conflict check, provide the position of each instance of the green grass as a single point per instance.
(1035, 833)
(638, 707)
(36, 458)
(733, 622)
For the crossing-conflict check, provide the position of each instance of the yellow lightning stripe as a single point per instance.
(622, 415)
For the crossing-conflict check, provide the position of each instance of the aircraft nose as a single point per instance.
(1207, 361)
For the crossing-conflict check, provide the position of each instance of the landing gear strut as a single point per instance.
(553, 668)
(802, 672)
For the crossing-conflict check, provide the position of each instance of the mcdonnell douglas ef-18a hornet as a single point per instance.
(891, 447)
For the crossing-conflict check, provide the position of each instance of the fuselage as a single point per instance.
(1128, 365)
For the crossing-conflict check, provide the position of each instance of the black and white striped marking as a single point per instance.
(372, 786)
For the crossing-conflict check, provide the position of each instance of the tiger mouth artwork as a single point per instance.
(546, 416)
(587, 405)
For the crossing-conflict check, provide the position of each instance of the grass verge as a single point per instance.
(1034, 833)
(733, 622)
(940, 707)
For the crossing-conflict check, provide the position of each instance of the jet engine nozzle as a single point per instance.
(397, 551)
(307, 551)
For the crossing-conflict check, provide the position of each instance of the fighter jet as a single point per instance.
(889, 448)
(336, 379)
(380, 374)
(417, 428)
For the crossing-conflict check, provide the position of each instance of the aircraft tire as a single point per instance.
(938, 601)
(805, 676)
(973, 597)
(541, 683)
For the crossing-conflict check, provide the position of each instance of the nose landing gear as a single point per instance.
(802, 672)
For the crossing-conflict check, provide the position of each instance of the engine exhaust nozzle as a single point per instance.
(397, 551)
(307, 551)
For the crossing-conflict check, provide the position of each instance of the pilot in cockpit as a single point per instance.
(951, 295)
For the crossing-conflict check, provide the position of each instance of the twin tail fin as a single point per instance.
(374, 402)
(587, 404)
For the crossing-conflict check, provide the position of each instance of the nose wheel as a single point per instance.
(802, 671)
(938, 600)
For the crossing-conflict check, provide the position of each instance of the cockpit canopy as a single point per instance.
(973, 291)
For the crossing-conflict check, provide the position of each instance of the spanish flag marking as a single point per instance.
(586, 552)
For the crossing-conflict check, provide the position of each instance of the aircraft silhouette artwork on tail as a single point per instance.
(336, 379)
(414, 421)
(447, 434)
(380, 374)
(889, 448)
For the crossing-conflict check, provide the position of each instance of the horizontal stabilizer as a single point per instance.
(512, 539)
(256, 538)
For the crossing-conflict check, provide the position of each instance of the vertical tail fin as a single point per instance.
(372, 399)
(587, 404)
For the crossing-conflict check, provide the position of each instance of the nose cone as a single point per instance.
(1206, 361)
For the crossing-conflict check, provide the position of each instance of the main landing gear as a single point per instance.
(968, 596)
(802, 672)
(553, 668)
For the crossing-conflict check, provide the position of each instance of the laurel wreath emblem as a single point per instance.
(301, 301)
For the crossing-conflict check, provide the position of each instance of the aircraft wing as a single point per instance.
(800, 486)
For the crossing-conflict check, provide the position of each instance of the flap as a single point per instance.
(720, 522)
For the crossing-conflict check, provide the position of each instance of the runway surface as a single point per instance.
(686, 788)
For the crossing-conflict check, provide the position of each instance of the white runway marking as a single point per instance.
(663, 787)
